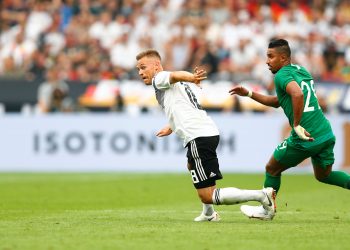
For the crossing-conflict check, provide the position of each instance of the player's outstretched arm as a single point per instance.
(164, 131)
(267, 100)
(196, 77)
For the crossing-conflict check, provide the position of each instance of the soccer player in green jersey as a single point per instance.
(312, 134)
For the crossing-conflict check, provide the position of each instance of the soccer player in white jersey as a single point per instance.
(175, 94)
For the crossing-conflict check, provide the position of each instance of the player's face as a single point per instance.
(274, 60)
(147, 68)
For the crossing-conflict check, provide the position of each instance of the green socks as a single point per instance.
(338, 178)
(272, 181)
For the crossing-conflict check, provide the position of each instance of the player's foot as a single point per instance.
(265, 212)
(269, 202)
(202, 217)
(256, 212)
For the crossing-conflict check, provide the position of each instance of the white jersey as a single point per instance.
(180, 103)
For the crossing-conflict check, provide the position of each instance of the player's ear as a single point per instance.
(284, 57)
(157, 65)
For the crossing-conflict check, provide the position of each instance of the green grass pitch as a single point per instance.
(156, 211)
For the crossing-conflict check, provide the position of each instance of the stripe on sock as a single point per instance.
(217, 196)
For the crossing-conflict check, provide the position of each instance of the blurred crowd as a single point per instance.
(90, 40)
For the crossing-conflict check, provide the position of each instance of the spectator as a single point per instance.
(66, 12)
(53, 94)
(123, 53)
(85, 38)
(38, 20)
(102, 31)
(204, 55)
(330, 55)
(37, 67)
(14, 12)
(20, 50)
(54, 39)
(217, 11)
(243, 59)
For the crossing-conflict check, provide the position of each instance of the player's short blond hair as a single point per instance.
(148, 53)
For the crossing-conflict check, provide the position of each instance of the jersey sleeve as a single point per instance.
(283, 78)
(161, 80)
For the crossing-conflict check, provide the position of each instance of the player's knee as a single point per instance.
(273, 170)
(321, 177)
(322, 174)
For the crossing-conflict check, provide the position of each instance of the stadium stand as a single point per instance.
(89, 39)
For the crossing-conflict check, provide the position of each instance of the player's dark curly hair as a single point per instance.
(281, 45)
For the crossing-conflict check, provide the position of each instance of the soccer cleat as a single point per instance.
(264, 212)
(269, 202)
(256, 212)
(202, 217)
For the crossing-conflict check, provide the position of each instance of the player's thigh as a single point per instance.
(323, 158)
(289, 156)
(203, 163)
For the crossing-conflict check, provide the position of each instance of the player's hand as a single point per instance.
(199, 75)
(239, 90)
(302, 133)
(164, 132)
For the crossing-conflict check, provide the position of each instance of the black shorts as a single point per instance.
(203, 161)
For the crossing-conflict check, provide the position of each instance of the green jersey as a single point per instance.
(312, 119)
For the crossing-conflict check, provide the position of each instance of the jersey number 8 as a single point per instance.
(194, 176)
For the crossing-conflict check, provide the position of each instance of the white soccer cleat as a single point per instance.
(264, 212)
(269, 202)
(202, 217)
(256, 212)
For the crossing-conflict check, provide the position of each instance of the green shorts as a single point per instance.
(290, 155)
